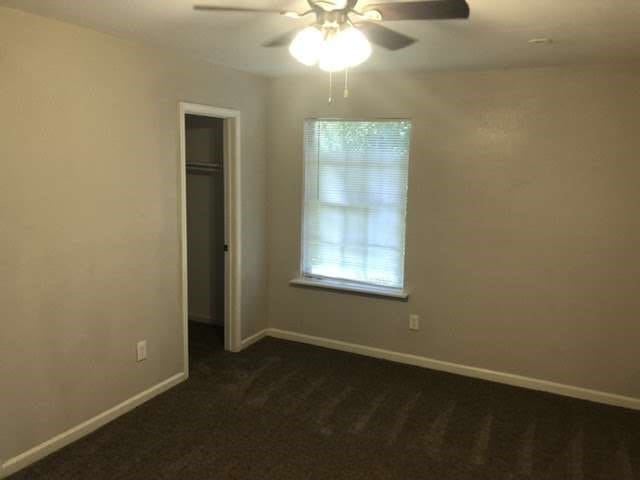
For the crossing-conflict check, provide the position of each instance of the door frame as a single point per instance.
(232, 163)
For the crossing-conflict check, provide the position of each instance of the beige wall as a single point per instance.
(89, 254)
(523, 221)
(523, 226)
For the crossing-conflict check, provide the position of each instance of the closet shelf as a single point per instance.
(204, 167)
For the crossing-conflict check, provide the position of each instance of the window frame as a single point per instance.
(344, 285)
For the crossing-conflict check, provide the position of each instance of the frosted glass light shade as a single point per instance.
(358, 48)
(347, 48)
(333, 56)
(332, 52)
(306, 46)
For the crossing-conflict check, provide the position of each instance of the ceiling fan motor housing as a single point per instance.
(333, 19)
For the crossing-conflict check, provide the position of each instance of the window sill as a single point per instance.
(395, 293)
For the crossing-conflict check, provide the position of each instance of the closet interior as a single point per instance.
(204, 142)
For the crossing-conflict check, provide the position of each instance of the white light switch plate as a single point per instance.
(414, 322)
(142, 350)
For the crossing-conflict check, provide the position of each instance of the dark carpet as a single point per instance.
(282, 410)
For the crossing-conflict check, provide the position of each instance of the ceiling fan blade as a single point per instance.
(385, 37)
(216, 8)
(426, 10)
(281, 40)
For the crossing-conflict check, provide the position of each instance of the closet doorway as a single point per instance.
(209, 172)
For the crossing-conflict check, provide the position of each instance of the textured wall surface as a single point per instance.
(522, 230)
(89, 232)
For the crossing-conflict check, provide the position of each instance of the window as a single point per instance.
(355, 202)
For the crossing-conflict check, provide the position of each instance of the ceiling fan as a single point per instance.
(340, 34)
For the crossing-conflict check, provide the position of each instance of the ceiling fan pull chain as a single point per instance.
(346, 82)
(330, 88)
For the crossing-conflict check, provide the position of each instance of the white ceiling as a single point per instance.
(583, 31)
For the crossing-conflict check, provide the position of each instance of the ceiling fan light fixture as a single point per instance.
(347, 48)
(332, 57)
(307, 45)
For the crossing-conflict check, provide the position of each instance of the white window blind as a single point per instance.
(355, 200)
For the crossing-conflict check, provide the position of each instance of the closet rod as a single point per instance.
(204, 167)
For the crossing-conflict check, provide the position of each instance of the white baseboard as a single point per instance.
(39, 451)
(247, 342)
(36, 453)
(500, 377)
